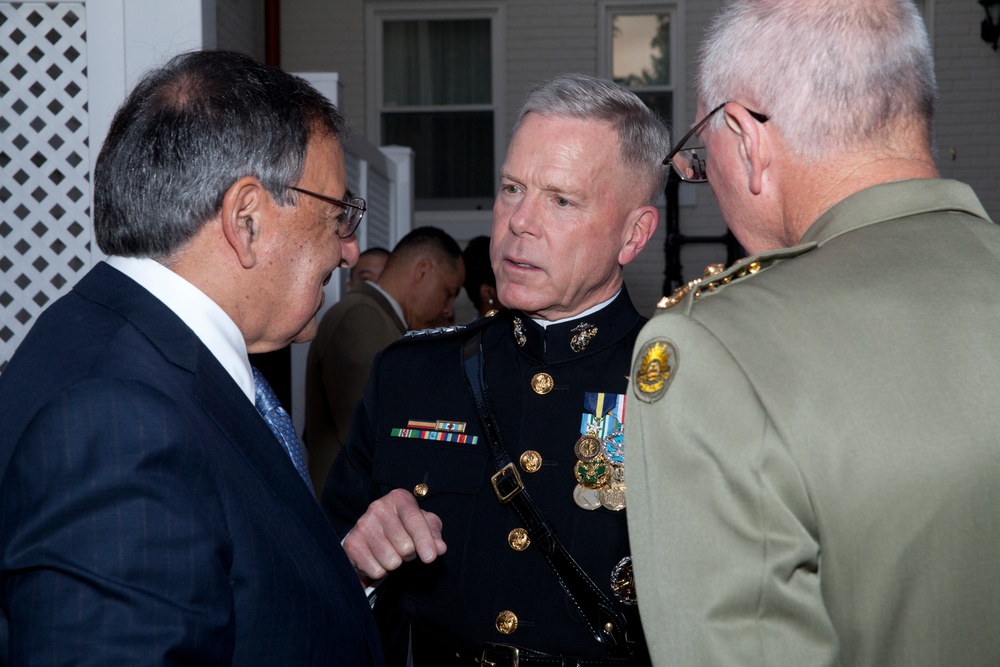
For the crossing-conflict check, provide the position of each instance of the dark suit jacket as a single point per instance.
(340, 358)
(147, 514)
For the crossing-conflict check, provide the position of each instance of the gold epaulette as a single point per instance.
(716, 276)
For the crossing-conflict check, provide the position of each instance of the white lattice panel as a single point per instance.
(44, 161)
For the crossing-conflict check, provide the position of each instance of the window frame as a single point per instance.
(608, 9)
(495, 12)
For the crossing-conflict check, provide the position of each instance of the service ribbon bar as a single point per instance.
(429, 434)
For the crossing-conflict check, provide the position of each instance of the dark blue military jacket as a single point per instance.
(417, 429)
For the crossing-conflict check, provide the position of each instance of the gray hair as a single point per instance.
(643, 138)
(186, 133)
(831, 74)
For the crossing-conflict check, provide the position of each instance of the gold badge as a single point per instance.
(593, 474)
(588, 447)
(531, 461)
(518, 539)
(542, 383)
(519, 336)
(506, 622)
(612, 497)
(583, 333)
(654, 368)
(623, 581)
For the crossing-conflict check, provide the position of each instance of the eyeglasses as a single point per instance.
(689, 161)
(350, 218)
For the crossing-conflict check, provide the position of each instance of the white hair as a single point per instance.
(831, 74)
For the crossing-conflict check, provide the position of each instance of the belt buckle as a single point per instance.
(499, 655)
(505, 498)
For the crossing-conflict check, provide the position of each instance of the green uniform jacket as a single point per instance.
(816, 471)
(351, 333)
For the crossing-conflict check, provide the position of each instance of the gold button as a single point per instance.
(518, 539)
(542, 383)
(531, 461)
(609, 627)
(506, 622)
(420, 490)
(491, 312)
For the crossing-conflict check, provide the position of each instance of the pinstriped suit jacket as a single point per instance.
(147, 514)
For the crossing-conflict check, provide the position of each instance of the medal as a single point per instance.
(585, 498)
(600, 453)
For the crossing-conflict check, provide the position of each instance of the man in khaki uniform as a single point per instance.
(816, 432)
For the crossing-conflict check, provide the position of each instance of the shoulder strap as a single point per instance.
(606, 623)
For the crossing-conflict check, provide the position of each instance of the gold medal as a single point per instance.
(588, 499)
(612, 497)
(588, 447)
(592, 474)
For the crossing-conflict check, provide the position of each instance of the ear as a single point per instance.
(420, 269)
(488, 293)
(641, 226)
(754, 145)
(243, 206)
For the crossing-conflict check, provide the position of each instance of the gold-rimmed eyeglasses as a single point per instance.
(353, 210)
(689, 158)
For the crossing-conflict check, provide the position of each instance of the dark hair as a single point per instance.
(423, 239)
(186, 133)
(478, 270)
(377, 250)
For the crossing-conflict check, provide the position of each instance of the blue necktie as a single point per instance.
(277, 419)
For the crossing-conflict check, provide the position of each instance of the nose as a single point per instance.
(520, 218)
(349, 251)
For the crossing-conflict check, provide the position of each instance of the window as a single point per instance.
(638, 52)
(436, 91)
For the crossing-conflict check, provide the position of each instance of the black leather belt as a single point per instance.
(445, 654)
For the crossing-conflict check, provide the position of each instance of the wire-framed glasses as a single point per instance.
(353, 210)
(689, 158)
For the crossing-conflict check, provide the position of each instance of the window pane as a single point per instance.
(641, 49)
(436, 62)
(453, 151)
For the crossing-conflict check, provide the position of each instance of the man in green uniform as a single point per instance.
(815, 444)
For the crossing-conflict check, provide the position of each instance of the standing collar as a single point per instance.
(889, 201)
(585, 334)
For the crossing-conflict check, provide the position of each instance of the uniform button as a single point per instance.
(506, 622)
(531, 461)
(420, 490)
(542, 383)
(518, 539)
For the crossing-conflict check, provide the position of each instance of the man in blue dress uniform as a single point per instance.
(423, 494)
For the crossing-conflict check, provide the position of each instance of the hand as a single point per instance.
(392, 531)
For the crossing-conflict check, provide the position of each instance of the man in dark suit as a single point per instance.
(149, 513)
(416, 289)
(429, 504)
